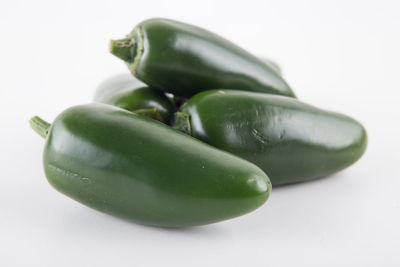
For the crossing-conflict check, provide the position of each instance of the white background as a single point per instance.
(339, 55)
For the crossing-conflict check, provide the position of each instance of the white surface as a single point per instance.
(340, 55)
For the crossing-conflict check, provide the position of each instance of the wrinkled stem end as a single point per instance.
(182, 122)
(40, 126)
(124, 49)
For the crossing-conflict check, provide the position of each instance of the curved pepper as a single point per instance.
(109, 92)
(127, 92)
(184, 59)
(290, 140)
(133, 167)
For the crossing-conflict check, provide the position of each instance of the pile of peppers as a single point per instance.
(196, 133)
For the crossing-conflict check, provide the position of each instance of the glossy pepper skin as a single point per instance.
(140, 169)
(118, 90)
(288, 139)
(127, 92)
(273, 65)
(184, 59)
(114, 84)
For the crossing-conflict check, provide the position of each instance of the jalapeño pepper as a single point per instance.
(137, 168)
(127, 92)
(290, 140)
(184, 59)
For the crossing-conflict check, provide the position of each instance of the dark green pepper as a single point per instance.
(140, 169)
(184, 59)
(109, 92)
(126, 92)
(290, 140)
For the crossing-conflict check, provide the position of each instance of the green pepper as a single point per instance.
(126, 92)
(184, 59)
(140, 169)
(106, 93)
(290, 140)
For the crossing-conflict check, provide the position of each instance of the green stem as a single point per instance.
(153, 113)
(182, 122)
(40, 126)
(124, 49)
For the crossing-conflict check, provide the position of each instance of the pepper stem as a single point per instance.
(124, 49)
(153, 113)
(40, 126)
(182, 122)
